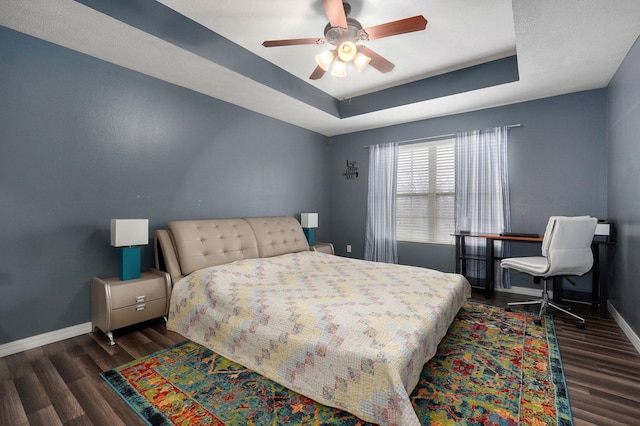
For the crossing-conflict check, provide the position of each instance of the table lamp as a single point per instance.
(309, 222)
(129, 235)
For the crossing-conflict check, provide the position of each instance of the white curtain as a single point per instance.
(482, 194)
(380, 242)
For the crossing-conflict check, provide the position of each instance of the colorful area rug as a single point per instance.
(492, 368)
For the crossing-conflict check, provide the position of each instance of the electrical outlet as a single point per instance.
(348, 248)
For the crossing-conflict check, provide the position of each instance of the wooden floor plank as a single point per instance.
(61, 397)
(607, 402)
(83, 420)
(105, 356)
(18, 365)
(160, 335)
(119, 406)
(11, 409)
(93, 403)
(32, 394)
(4, 370)
(70, 368)
(46, 416)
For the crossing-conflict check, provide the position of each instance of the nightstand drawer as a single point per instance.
(128, 293)
(138, 313)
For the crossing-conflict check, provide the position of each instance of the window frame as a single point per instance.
(431, 232)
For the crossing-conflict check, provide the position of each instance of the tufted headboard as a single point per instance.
(278, 235)
(189, 245)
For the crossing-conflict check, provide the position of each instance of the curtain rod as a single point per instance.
(428, 138)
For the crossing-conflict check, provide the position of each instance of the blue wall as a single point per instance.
(83, 141)
(557, 166)
(623, 184)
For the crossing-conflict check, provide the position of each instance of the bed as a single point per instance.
(347, 333)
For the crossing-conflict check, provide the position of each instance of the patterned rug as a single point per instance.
(492, 368)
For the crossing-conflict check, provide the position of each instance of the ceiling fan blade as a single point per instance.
(402, 26)
(335, 13)
(293, 42)
(317, 74)
(377, 61)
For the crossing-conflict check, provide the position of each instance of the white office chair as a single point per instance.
(566, 250)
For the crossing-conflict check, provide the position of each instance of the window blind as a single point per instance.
(425, 192)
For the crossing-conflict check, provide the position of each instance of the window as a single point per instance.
(425, 192)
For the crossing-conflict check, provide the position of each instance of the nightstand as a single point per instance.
(323, 248)
(116, 304)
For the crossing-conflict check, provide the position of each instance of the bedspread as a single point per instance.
(347, 333)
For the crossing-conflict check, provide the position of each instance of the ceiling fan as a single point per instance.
(343, 33)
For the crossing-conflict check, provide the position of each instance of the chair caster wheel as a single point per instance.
(537, 321)
(508, 309)
(580, 325)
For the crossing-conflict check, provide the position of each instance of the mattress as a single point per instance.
(347, 333)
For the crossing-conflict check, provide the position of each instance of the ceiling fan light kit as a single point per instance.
(347, 52)
(344, 32)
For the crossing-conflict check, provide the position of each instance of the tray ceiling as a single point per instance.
(214, 47)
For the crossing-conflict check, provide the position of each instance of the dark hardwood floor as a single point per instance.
(59, 384)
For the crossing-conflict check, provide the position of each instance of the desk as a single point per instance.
(600, 269)
(489, 258)
(490, 253)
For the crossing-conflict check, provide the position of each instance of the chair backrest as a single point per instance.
(567, 245)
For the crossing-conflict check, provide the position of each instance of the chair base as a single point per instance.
(544, 303)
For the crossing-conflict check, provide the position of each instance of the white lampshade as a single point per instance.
(361, 61)
(324, 59)
(339, 69)
(347, 51)
(309, 220)
(129, 232)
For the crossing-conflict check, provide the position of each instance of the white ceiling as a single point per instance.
(454, 37)
(563, 46)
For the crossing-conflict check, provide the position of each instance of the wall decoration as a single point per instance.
(352, 171)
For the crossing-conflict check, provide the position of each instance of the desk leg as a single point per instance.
(461, 255)
(603, 278)
(490, 262)
(595, 277)
(461, 263)
(458, 254)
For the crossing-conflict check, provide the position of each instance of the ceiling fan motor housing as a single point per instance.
(338, 35)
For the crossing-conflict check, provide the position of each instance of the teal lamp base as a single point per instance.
(129, 263)
(310, 234)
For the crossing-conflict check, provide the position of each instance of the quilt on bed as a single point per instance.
(347, 333)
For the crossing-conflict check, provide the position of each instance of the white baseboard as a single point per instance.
(44, 339)
(626, 329)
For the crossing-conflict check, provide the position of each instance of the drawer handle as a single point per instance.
(141, 299)
(141, 307)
